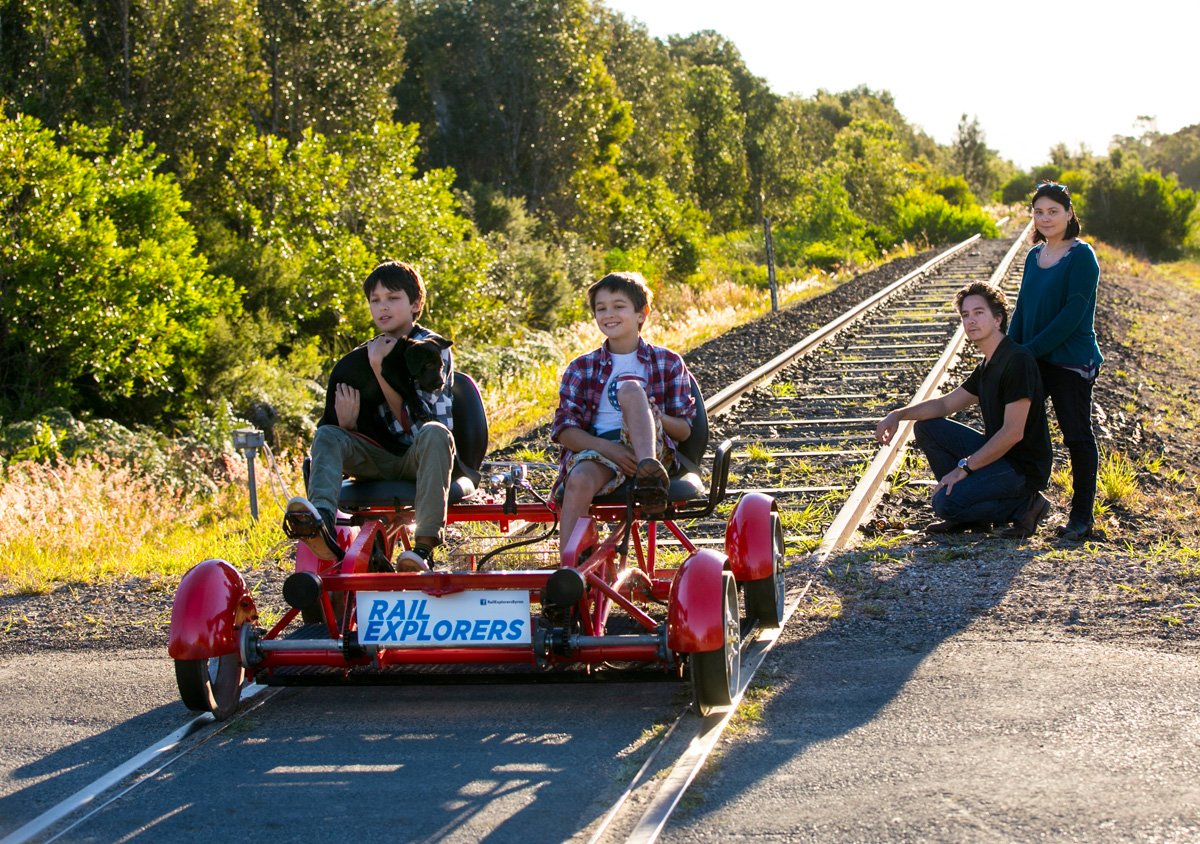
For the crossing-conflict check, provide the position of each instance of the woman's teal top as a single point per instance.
(1055, 314)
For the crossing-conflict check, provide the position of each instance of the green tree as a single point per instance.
(106, 303)
(873, 168)
(1139, 208)
(721, 180)
(308, 221)
(755, 102)
(330, 64)
(654, 84)
(516, 96)
(46, 70)
(971, 155)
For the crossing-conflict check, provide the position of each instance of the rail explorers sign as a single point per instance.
(463, 619)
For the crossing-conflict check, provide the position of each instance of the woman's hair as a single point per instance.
(1062, 196)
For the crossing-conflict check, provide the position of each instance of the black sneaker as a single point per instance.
(314, 528)
(1075, 530)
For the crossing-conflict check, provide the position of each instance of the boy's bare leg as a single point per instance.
(639, 423)
(585, 480)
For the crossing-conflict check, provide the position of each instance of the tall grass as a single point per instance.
(97, 519)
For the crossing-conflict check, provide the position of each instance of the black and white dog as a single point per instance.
(411, 365)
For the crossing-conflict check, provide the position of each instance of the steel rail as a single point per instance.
(102, 791)
(866, 494)
(723, 399)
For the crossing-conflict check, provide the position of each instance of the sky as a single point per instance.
(1034, 74)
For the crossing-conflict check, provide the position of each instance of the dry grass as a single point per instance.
(97, 519)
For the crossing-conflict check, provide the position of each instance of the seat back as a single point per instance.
(692, 449)
(470, 426)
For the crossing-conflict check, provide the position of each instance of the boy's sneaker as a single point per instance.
(418, 558)
(650, 483)
(314, 528)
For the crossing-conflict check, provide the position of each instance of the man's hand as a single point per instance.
(620, 454)
(949, 481)
(886, 429)
(346, 403)
(377, 350)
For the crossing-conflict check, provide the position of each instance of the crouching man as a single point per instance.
(994, 477)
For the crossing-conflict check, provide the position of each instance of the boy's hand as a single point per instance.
(346, 403)
(620, 454)
(377, 350)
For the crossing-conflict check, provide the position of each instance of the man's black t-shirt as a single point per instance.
(1012, 374)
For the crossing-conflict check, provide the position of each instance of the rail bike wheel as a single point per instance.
(766, 596)
(210, 685)
(716, 674)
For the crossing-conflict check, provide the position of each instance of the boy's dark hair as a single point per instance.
(1062, 196)
(994, 296)
(633, 285)
(397, 275)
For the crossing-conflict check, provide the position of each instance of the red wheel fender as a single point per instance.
(749, 543)
(306, 560)
(212, 601)
(695, 622)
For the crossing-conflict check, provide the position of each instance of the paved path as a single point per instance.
(975, 738)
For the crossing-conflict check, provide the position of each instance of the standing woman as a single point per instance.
(1055, 320)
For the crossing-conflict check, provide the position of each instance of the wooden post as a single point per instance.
(771, 265)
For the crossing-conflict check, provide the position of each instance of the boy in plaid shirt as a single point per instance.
(370, 433)
(622, 408)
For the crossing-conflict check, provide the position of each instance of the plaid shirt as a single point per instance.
(583, 384)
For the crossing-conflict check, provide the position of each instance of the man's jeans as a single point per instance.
(336, 452)
(995, 493)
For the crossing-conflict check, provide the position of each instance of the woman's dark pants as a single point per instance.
(1071, 394)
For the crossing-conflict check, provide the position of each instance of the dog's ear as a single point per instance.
(440, 342)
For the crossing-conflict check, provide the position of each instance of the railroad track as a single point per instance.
(804, 426)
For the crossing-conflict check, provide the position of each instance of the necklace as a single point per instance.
(1052, 255)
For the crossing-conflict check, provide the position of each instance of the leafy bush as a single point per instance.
(494, 363)
(1139, 208)
(955, 190)
(929, 217)
(194, 465)
(106, 303)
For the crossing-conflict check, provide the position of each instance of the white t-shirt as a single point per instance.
(608, 415)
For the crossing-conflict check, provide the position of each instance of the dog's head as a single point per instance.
(418, 360)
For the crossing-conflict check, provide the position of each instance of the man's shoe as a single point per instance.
(1035, 513)
(950, 526)
(315, 529)
(650, 484)
(1075, 530)
(419, 558)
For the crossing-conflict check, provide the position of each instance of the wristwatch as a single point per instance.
(962, 464)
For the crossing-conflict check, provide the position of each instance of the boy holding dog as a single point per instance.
(621, 407)
(370, 431)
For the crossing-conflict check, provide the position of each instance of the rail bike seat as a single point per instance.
(686, 484)
(470, 442)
